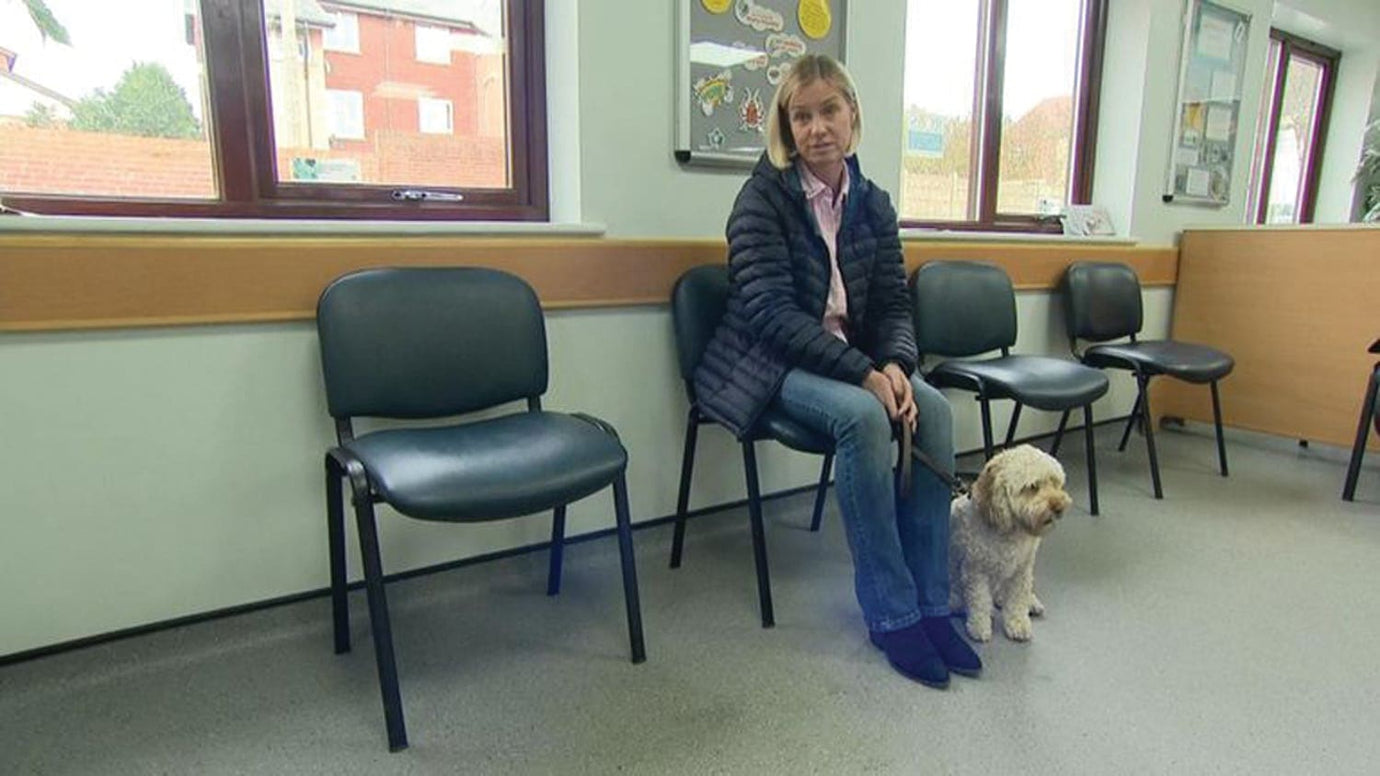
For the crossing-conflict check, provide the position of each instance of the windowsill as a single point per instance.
(945, 235)
(1276, 227)
(220, 226)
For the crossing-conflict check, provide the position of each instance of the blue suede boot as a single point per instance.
(955, 652)
(910, 652)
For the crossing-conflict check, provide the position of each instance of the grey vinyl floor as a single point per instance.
(1231, 628)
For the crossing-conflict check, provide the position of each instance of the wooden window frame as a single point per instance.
(240, 127)
(1328, 59)
(984, 169)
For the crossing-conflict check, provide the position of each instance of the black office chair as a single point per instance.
(431, 343)
(1102, 303)
(698, 302)
(1370, 413)
(967, 308)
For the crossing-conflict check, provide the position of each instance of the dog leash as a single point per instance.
(909, 452)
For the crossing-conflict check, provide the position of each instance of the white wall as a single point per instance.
(157, 473)
(627, 83)
(1138, 110)
(1353, 28)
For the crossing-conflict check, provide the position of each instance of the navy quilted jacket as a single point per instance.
(779, 270)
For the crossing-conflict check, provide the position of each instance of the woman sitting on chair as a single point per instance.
(818, 328)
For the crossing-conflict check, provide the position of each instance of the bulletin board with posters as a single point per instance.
(731, 56)
(1208, 116)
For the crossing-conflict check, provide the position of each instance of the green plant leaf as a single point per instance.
(47, 24)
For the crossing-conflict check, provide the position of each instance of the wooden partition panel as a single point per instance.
(55, 281)
(1297, 310)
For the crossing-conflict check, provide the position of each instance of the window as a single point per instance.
(343, 34)
(433, 44)
(345, 116)
(1000, 109)
(97, 117)
(273, 114)
(1289, 134)
(435, 117)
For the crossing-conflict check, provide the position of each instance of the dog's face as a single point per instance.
(1021, 489)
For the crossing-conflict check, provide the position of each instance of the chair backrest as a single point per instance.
(1101, 301)
(428, 342)
(962, 308)
(698, 302)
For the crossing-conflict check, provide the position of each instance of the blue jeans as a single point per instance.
(900, 550)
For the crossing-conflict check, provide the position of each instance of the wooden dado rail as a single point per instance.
(54, 281)
(1296, 309)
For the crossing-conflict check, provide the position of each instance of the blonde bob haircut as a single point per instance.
(804, 72)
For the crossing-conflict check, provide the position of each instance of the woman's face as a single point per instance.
(821, 125)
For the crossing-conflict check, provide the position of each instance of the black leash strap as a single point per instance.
(909, 452)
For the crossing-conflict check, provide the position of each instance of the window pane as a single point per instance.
(118, 111)
(1262, 129)
(450, 55)
(343, 33)
(940, 78)
(1042, 47)
(1293, 140)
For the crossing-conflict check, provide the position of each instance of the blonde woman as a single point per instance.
(818, 328)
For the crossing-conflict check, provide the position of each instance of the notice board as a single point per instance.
(732, 54)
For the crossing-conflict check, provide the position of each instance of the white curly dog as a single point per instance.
(994, 534)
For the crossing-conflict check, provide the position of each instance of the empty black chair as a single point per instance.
(430, 344)
(698, 302)
(1102, 303)
(1370, 413)
(967, 308)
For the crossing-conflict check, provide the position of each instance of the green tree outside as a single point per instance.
(146, 101)
(41, 116)
(47, 24)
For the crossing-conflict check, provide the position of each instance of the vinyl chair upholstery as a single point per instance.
(1370, 414)
(431, 344)
(965, 309)
(698, 302)
(1103, 303)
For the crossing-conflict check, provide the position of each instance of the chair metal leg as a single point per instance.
(1059, 435)
(335, 533)
(553, 574)
(625, 554)
(1135, 415)
(821, 491)
(378, 623)
(1149, 433)
(1217, 421)
(986, 427)
(759, 539)
(1358, 450)
(1092, 455)
(1011, 427)
(687, 468)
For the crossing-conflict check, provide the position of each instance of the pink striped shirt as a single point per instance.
(828, 212)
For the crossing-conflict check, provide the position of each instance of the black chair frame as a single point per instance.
(341, 463)
(1368, 417)
(1144, 370)
(697, 305)
(968, 376)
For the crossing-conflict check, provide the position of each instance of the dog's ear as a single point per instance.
(991, 499)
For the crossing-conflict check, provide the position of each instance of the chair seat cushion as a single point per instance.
(1184, 360)
(774, 425)
(490, 469)
(1041, 382)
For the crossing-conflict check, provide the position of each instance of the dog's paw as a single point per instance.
(979, 628)
(1017, 628)
(1037, 609)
